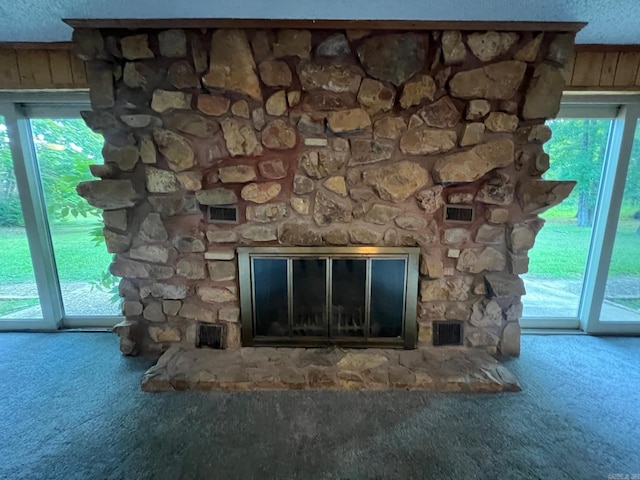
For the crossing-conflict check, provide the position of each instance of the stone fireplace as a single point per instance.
(225, 145)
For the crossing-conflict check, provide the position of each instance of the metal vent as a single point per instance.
(456, 213)
(447, 333)
(223, 214)
(210, 335)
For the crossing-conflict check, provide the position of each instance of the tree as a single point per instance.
(64, 149)
(10, 211)
(577, 153)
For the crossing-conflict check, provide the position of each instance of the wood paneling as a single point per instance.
(41, 66)
(587, 68)
(610, 68)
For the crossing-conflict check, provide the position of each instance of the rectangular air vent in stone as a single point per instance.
(210, 335)
(457, 213)
(217, 214)
(447, 333)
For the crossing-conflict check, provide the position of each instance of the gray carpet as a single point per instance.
(71, 408)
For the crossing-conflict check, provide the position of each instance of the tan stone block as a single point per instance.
(240, 138)
(426, 141)
(375, 96)
(397, 182)
(497, 81)
(333, 77)
(300, 205)
(191, 181)
(135, 47)
(473, 134)
(214, 105)
(292, 43)
(277, 104)
(389, 127)
(529, 52)
(230, 314)
(497, 215)
(237, 174)
(221, 271)
(191, 268)
(240, 109)
(153, 312)
(544, 93)
(348, 120)
(171, 307)
(489, 45)
(501, 122)
(164, 100)
(275, 73)
(337, 185)
(165, 334)
(131, 308)
(260, 192)
(175, 148)
(279, 135)
(417, 90)
(453, 49)
(231, 65)
(431, 265)
(471, 165)
(216, 294)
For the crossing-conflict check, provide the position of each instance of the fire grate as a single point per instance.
(210, 335)
(447, 333)
(456, 213)
(223, 214)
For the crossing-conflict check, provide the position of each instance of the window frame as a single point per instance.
(624, 111)
(18, 109)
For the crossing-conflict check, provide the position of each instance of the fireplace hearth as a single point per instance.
(349, 296)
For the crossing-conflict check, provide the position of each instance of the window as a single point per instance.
(583, 270)
(64, 149)
(622, 290)
(53, 261)
(558, 260)
(18, 290)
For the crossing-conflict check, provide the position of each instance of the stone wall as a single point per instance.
(320, 138)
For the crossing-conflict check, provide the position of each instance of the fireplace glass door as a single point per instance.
(321, 296)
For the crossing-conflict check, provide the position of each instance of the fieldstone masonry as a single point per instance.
(320, 138)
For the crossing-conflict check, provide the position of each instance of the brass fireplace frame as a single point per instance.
(411, 255)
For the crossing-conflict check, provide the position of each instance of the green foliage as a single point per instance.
(577, 151)
(10, 212)
(64, 150)
(107, 283)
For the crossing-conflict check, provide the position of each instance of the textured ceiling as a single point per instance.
(610, 21)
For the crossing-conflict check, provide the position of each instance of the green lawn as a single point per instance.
(561, 250)
(77, 258)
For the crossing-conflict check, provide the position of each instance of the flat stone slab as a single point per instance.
(442, 369)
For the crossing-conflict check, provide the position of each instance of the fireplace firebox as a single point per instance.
(351, 296)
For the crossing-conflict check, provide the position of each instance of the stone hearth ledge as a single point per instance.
(445, 369)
